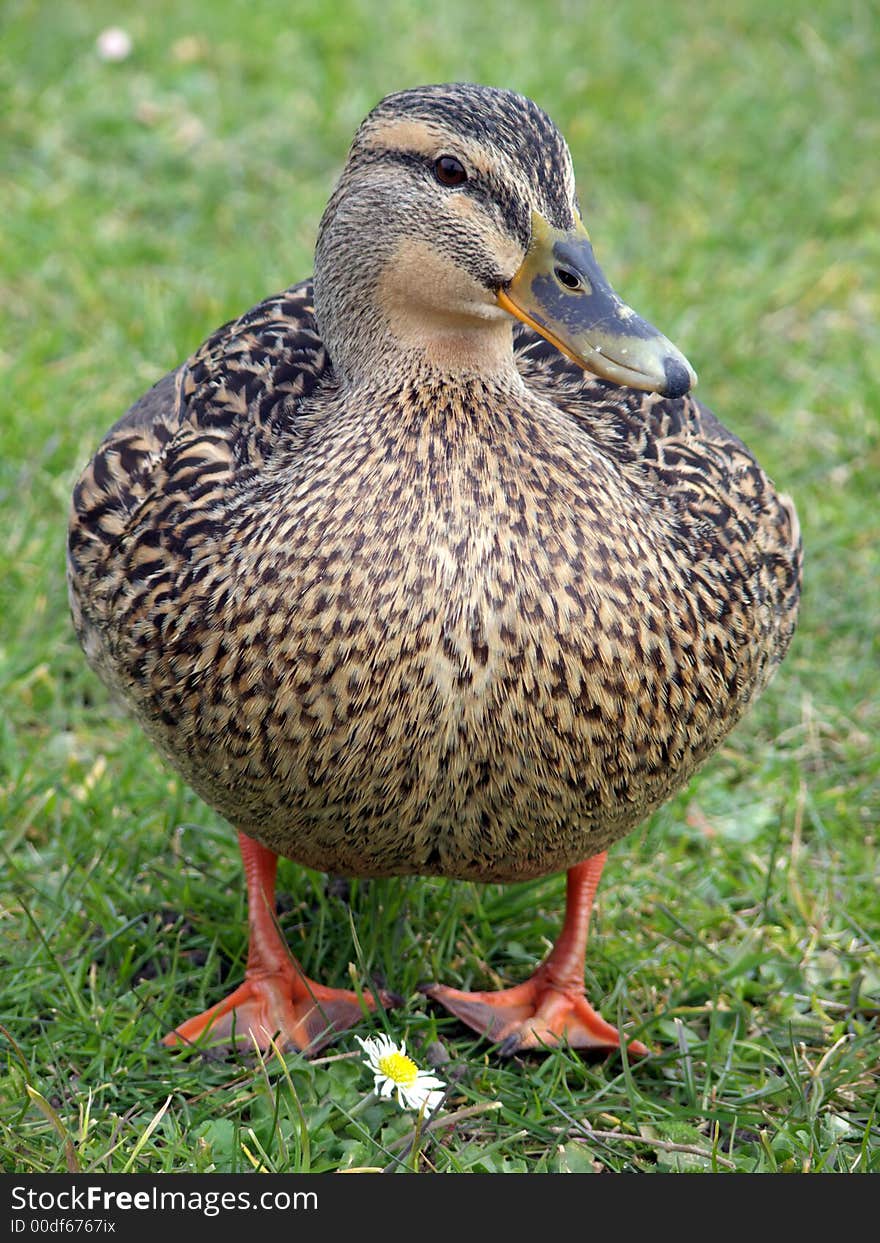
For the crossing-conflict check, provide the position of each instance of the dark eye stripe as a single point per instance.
(496, 197)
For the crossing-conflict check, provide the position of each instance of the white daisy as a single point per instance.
(393, 1070)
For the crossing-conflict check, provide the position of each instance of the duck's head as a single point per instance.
(457, 210)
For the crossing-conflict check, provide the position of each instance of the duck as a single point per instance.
(431, 564)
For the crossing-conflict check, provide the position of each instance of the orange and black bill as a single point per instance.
(563, 294)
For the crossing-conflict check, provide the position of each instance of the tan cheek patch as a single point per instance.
(418, 278)
(432, 305)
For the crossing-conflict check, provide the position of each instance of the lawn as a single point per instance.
(728, 173)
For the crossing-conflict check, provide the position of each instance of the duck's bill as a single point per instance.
(562, 293)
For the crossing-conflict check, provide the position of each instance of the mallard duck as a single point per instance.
(431, 564)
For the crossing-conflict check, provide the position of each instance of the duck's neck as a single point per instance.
(390, 340)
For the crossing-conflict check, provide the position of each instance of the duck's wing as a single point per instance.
(216, 415)
(733, 531)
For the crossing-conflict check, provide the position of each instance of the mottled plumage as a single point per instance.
(425, 620)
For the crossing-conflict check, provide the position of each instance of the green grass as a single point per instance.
(727, 162)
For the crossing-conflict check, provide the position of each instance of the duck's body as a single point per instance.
(421, 617)
(393, 639)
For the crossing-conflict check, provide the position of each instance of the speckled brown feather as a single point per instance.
(443, 630)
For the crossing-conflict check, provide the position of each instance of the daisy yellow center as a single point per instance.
(399, 1068)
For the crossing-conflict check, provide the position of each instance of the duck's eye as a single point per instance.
(449, 171)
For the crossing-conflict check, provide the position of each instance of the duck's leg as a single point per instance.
(277, 999)
(551, 1007)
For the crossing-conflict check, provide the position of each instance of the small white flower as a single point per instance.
(393, 1070)
(113, 44)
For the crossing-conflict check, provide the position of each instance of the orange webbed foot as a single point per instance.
(284, 1006)
(533, 1015)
